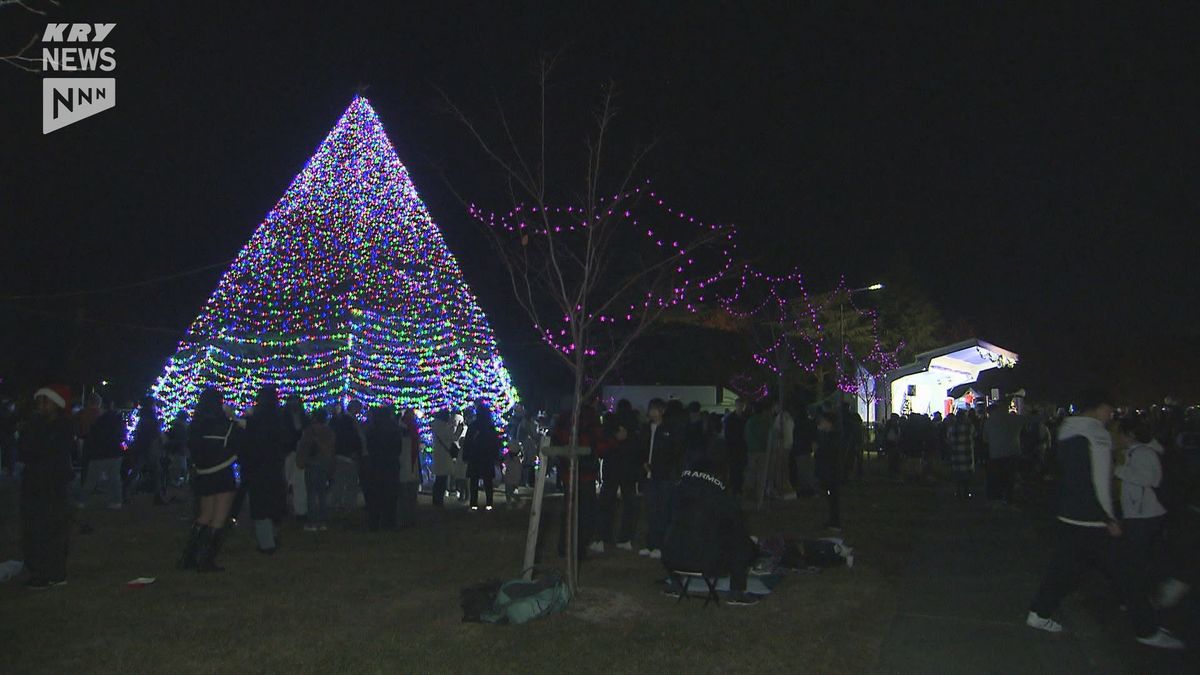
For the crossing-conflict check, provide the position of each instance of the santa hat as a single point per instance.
(58, 394)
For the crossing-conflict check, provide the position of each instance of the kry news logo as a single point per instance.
(66, 100)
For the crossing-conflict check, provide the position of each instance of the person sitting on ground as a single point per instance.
(707, 533)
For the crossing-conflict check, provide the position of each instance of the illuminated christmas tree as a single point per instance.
(346, 290)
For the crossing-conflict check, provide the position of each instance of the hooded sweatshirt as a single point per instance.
(1085, 461)
(1140, 474)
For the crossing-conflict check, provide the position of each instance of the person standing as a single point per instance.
(779, 440)
(347, 476)
(103, 450)
(146, 451)
(622, 467)
(1142, 512)
(268, 441)
(828, 456)
(481, 449)
(215, 440)
(296, 421)
(315, 463)
(46, 447)
(410, 470)
(735, 445)
(445, 450)
(381, 468)
(960, 437)
(758, 432)
(661, 458)
(1087, 524)
(1002, 431)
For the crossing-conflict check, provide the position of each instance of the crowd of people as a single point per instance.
(663, 472)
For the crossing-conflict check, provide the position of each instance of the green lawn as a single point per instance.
(347, 600)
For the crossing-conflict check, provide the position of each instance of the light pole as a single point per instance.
(840, 369)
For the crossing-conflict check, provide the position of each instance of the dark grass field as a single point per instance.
(347, 600)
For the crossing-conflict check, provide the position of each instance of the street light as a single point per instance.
(841, 356)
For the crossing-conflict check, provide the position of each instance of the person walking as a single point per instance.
(103, 451)
(1142, 512)
(46, 445)
(214, 441)
(385, 440)
(1088, 524)
(268, 441)
(315, 462)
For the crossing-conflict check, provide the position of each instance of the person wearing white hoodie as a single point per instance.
(1088, 523)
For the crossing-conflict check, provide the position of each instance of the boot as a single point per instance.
(187, 561)
(210, 544)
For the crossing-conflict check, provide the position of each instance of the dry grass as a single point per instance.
(351, 601)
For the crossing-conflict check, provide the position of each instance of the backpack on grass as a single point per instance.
(519, 601)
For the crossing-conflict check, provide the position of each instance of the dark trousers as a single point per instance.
(381, 498)
(1140, 548)
(833, 493)
(473, 477)
(1079, 549)
(737, 472)
(45, 524)
(1001, 471)
(439, 490)
(408, 503)
(587, 519)
(743, 558)
(627, 486)
(658, 507)
(894, 457)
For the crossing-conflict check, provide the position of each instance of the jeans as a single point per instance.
(608, 507)
(408, 504)
(316, 486)
(658, 507)
(110, 470)
(264, 534)
(1079, 549)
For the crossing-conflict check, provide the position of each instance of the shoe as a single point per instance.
(644, 552)
(625, 545)
(312, 528)
(596, 547)
(1170, 593)
(78, 505)
(191, 548)
(1162, 639)
(57, 582)
(489, 507)
(114, 507)
(322, 527)
(656, 554)
(789, 497)
(38, 584)
(210, 545)
(742, 600)
(474, 508)
(1035, 620)
(267, 551)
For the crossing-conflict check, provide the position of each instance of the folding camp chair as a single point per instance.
(682, 578)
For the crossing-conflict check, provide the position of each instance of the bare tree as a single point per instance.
(582, 264)
(21, 59)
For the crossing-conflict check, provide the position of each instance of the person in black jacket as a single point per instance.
(214, 440)
(661, 460)
(268, 442)
(103, 451)
(381, 468)
(735, 445)
(481, 449)
(146, 452)
(827, 466)
(707, 533)
(622, 470)
(46, 446)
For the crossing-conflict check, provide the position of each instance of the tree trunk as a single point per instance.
(572, 510)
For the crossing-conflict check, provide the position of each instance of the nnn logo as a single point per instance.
(68, 100)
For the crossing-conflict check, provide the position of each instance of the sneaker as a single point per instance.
(1162, 639)
(644, 552)
(322, 527)
(311, 528)
(656, 554)
(474, 508)
(625, 545)
(789, 497)
(488, 507)
(742, 600)
(57, 582)
(596, 547)
(1035, 620)
(1170, 593)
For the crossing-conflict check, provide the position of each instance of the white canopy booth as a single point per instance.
(923, 386)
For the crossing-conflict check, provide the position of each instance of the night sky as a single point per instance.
(1036, 167)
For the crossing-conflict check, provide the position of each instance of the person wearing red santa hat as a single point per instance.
(46, 446)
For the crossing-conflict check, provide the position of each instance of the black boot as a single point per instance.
(187, 561)
(210, 544)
